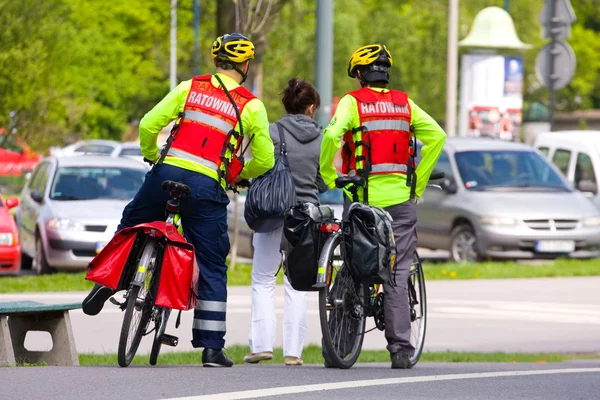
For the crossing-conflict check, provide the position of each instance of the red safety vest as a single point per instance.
(207, 133)
(383, 135)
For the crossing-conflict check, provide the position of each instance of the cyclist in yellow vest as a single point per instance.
(376, 125)
(214, 113)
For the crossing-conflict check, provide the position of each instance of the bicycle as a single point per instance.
(139, 298)
(344, 304)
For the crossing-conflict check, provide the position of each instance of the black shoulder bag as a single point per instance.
(271, 194)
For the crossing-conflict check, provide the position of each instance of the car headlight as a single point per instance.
(591, 221)
(498, 221)
(6, 239)
(65, 224)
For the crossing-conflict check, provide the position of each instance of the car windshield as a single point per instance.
(93, 183)
(507, 170)
(332, 197)
(131, 151)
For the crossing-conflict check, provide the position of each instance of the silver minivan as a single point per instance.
(504, 200)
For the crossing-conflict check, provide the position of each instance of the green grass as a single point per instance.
(61, 282)
(241, 275)
(508, 270)
(75, 281)
(312, 355)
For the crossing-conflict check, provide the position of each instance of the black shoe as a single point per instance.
(94, 301)
(215, 358)
(401, 361)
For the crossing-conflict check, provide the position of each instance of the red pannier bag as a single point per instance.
(115, 265)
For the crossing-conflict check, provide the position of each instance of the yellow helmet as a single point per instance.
(375, 53)
(233, 47)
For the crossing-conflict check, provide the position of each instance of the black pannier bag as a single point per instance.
(302, 230)
(369, 240)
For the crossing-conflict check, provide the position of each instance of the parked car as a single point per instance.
(10, 247)
(129, 149)
(504, 200)
(332, 198)
(86, 147)
(577, 156)
(16, 157)
(71, 207)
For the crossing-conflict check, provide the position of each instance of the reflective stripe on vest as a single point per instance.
(190, 157)
(387, 124)
(389, 168)
(209, 120)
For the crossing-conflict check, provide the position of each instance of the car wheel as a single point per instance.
(40, 266)
(463, 244)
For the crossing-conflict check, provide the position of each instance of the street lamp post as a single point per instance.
(173, 66)
(452, 68)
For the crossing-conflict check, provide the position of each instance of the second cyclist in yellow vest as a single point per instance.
(376, 124)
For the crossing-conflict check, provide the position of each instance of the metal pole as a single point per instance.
(452, 68)
(507, 5)
(324, 67)
(173, 69)
(551, 13)
(196, 37)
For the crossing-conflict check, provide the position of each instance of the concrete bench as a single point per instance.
(19, 317)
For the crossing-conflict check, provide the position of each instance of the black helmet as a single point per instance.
(373, 61)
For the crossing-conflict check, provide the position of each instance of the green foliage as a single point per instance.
(93, 68)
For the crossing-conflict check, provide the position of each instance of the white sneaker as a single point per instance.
(254, 358)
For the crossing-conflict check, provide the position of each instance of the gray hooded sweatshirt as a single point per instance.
(303, 137)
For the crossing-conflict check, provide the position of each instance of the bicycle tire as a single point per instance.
(348, 313)
(419, 324)
(126, 353)
(160, 329)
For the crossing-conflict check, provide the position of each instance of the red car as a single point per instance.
(10, 245)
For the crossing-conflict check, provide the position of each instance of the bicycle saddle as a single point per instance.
(176, 188)
(343, 181)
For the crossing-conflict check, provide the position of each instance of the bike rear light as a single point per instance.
(329, 228)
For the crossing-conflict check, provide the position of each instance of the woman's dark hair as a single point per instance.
(299, 95)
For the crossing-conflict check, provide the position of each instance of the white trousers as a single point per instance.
(265, 264)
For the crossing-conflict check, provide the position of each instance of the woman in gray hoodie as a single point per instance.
(303, 137)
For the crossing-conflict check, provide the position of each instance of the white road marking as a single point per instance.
(253, 394)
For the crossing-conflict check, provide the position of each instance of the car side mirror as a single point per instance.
(37, 196)
(12, 202)
(587, 187)
(449, 186)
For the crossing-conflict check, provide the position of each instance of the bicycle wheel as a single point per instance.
(139, 305)
(341, 310)
(160, 325)
(417, 299)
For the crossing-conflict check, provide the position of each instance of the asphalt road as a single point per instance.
(573, 380)
(516, 315)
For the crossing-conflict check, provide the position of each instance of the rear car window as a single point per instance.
(561, 159)
(584, 169)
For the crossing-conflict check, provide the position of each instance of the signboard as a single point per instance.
(491, 96)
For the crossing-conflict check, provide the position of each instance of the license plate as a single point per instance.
(100, 246)
(555, 246)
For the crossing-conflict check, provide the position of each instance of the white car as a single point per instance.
(577, 155)
(130, 150)
(86, 147)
